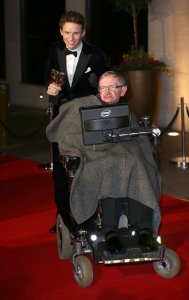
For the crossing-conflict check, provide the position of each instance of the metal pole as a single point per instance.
(58, 79)
(182, 161)
(183, 132)
(49, 165)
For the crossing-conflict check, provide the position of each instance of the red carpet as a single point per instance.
(29, 262)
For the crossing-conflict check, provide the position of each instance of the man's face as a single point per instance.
(111, 89)
(72, 34)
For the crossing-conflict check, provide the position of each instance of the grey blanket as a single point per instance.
(125, 169)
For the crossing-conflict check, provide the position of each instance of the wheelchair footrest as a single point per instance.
(131, 251)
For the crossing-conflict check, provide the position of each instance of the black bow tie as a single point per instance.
(67, 52)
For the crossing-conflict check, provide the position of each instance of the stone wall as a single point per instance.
(169, 41)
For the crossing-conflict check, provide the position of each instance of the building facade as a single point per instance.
(168, 40)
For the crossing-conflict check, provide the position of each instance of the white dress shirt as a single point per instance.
(71, 63)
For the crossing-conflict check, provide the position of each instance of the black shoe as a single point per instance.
(53, 229)
(147, 239)
(113, 243)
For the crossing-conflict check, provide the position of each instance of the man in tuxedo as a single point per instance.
(82, 63)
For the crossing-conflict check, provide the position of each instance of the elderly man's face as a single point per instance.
(111, 89)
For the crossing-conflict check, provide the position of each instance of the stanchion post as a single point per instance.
(49, 165)
(182, 161)
(4, 111)
(58, 78)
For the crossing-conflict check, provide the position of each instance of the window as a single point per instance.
(2, 41)
(39, 27)
(113, 31)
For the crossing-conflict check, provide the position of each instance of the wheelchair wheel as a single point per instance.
(170, 266)
(84, 272)
(63, 239)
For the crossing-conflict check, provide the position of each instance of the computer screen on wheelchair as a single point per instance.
(102, 124)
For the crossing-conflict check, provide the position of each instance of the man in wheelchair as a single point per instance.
(121, 176)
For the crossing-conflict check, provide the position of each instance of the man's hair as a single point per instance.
(72, 17)
(117, 75)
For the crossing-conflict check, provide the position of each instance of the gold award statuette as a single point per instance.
(58, 77)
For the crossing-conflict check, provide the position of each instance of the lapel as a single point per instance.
(81, 65)
(61, 59)
(62, 63)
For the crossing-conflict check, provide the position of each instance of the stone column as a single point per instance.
(169, 41)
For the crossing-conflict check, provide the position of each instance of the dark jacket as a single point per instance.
(91, 65)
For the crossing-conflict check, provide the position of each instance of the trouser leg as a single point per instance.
(140, 215)
(111, 211)
(61, 189)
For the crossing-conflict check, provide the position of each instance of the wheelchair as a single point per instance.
(90, 240)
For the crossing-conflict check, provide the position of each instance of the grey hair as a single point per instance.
(117, 75)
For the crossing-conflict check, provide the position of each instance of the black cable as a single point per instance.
(187, 110)
(171, 122)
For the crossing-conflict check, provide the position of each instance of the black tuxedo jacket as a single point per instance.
(91, 65)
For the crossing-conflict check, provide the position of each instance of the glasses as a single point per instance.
(110, 88)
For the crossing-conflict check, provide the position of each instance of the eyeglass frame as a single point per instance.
(110, 87)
